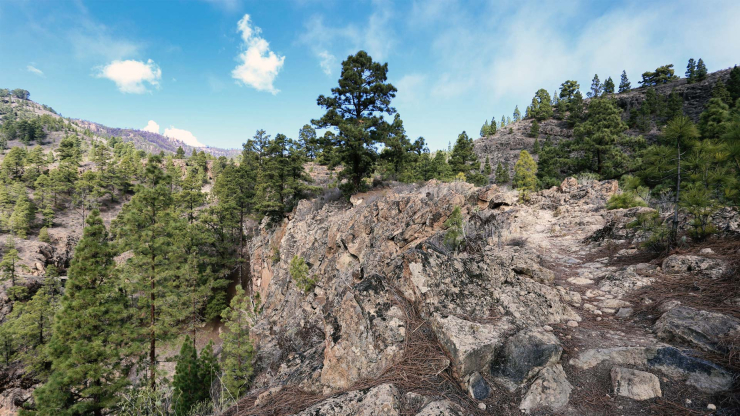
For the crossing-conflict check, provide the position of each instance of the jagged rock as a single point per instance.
(524, 355)
(477, 386)
(702, 374)
(471, 345)
(637, 385)
(678, 263)
(550, 389)
(383, 400)
(701, 329)
(441, 408)
(363, 337)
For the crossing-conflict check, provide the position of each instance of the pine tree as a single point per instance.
(733, 84)
(701, 71)
(609, 86)
(534, 131)
(9, 264)
(44, 235)
(599, 137)
(517, 114)
(502, 174)
(463, 156)
(187, 383)
(681, 133)
(691, 71)
(596, 87)
(624, 83)
(149, 226)
(440, 168)
(536, 147)
(484, 131)
(492, 127)
(541, 108)
(568, 90)
(525, 173)
(20, 220)
(712, 122)
(91, 333)
(487, 168)
(237, 352)
(721, 92)
(502, 124)
(180, 153)
(355, 110)
(309, 141)
(575, 109)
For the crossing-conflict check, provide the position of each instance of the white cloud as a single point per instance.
(151, 127)
(259, 65)
(411, 88)
(131, 76)
(183, 136)
(327, 61)
(32, 69)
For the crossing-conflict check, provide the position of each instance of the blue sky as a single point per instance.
(202, 69)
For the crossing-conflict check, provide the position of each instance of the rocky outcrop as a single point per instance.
(677, 264)
(497, 310)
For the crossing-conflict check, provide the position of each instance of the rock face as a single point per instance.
(637, 385)
(497, 310)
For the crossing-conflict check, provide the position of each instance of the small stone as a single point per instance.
(688, 401)
(710, 406)
(477, 386)
(624, 312)
(572, 324)
(482, 406)
(597, 312)
(706, 251)
(547, 328)
(598, 318)
(637, 385)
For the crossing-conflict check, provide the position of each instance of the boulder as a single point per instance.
(382, 400)
(471, 345)
(477, 386)
(550, 389)
(680, 263)
(524, 355)
(637, 385)
(701, 329)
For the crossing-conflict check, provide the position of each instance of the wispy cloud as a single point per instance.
(259, 65)
(132, 76)
(32, 69)
(376, 36)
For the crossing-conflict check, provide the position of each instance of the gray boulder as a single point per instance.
(701, 329)
(637, 385)
(550, 389)
(524, 355)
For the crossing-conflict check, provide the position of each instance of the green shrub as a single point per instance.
(627, 199)
(455, 232)
(299, 273)
(658, 235)
(44, 235)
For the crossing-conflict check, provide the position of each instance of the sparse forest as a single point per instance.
(162, 240)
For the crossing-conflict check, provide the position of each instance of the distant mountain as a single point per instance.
(144, 140)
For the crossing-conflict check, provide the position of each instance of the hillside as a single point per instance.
(335, 276)
(504, 146)
(142, 140)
